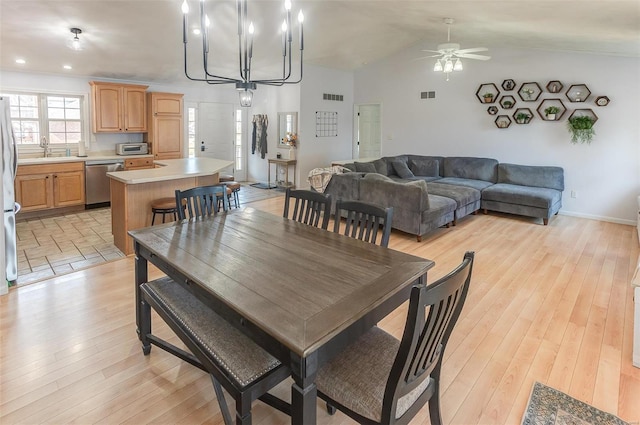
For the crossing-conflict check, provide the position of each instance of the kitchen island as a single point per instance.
(133, 191)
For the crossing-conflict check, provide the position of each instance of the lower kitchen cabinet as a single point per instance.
(41, 187)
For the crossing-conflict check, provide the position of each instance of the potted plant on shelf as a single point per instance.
(488, 97)
(522, 118)
(581, 129)
(551, 112)
(507, 104)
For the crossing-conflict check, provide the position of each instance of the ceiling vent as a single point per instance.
(427, 95)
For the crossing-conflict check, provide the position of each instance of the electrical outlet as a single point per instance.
(574, 194)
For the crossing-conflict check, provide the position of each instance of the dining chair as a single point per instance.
(200, 201)
(380, 380)
(309, 207)
(363, 221)
(232, 359)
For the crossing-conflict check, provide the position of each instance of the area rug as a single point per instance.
(548, 406)
(263, 186)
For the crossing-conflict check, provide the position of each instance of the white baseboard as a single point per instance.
(636, 330)
(599, 218)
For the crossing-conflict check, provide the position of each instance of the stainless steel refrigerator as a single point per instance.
(10, 207)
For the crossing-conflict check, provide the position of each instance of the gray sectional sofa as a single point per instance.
(428, 192)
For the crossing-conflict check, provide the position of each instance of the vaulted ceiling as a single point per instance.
(141, 40)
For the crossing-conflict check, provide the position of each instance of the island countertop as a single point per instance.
(171, 169)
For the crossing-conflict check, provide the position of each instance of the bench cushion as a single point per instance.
(242, 359)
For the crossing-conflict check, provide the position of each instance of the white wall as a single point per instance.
(605, 175)
(314, 152)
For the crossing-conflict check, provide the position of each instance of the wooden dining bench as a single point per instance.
(231, 358)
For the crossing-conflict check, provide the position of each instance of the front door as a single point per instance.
(216, 134)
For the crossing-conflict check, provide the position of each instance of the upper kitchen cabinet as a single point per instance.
(118, 108)
(166, 133)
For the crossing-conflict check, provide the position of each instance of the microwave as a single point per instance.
(132, 149)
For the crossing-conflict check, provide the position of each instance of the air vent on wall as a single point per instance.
(338, 97)
(427, 95)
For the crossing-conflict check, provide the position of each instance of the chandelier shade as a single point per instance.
(243, 80)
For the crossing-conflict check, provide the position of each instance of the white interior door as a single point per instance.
(369, 136)
(216, 135)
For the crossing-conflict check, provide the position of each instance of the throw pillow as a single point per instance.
(350, 166)
(425, 167)
(402, 170)
(365, 167)
(381, 166)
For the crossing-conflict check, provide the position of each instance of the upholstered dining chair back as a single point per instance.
(200, 201)
(392, 386)
(364, 221)
(309, 207)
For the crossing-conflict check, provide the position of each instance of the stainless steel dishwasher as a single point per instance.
(96, 182)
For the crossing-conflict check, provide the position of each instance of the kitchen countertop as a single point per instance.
(172, 169)
(98, 156)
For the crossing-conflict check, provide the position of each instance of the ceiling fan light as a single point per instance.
(448, 66)
(438, 66)
(458, 65)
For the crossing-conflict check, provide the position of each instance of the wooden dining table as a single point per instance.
(300, 292)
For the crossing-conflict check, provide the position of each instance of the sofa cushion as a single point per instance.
(463, 195)
(539, 197)
(475, 184)
(350, 166)
(425, 167)
(528, 175)
(402, 169)
(365, 167)
(381, 167)
(471, 168)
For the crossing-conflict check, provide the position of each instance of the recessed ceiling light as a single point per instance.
(21, 61)
(196, 31)
(67, 66)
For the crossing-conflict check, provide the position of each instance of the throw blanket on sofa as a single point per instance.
(319, 178)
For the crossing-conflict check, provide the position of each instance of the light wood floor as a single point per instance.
(547, 303)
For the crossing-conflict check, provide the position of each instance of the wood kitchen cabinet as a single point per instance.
(166, 131)
(118, 108)
(138, 163)
(41, 187)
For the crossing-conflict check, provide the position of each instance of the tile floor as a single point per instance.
(58, 245)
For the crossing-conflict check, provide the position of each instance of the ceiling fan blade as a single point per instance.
(471, 56)
(473, 50)
(426, 57)
(432, 51)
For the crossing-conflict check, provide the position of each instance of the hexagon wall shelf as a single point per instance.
(584, 112)
(492, 110)
(554, 87)
(507, 102)
(487, 88)
(602, 101)
(508, 85)
(547, 103)
(525, 111)
(578, 93)
(529, 92)
(503, 121)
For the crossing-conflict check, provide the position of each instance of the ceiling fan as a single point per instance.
(449, 54)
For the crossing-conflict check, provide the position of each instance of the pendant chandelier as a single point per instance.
(244, 84)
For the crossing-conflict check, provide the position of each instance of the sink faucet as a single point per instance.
(44, 143)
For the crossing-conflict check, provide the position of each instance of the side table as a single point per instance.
(285, 163)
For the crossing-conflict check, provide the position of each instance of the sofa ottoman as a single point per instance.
(467, 198)
(533, 191)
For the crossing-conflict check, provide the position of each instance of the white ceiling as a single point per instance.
(141, 40)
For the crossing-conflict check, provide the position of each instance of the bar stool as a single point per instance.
(163, 206)
(225, 178)
(234, 187)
